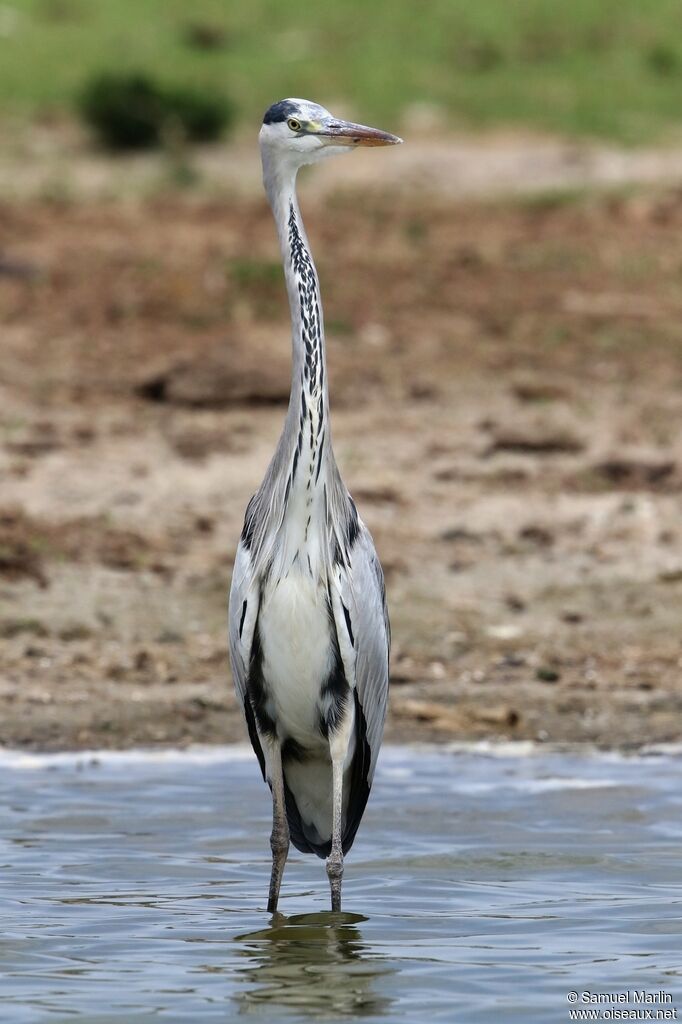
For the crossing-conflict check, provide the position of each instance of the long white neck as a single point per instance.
(303, 467)
(309, 400)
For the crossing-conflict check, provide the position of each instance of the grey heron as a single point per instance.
(308, 625)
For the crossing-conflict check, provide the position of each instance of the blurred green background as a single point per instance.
(609, 68)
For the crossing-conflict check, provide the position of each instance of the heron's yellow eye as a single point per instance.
(294, 124)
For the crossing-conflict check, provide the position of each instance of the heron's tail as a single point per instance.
(308, 795)
(305, 834)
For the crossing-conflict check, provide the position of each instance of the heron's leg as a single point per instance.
(279, 838)
(335, 858)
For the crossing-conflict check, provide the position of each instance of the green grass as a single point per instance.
(609, 68)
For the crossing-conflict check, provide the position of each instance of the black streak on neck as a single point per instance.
(312, 379)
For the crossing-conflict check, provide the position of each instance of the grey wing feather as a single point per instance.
(363, 597)
(242, 618)
(239, 655)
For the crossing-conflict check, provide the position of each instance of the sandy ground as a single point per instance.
(506, 384)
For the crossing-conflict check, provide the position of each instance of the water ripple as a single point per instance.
(485, 883)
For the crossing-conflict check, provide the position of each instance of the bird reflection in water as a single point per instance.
(313, 963)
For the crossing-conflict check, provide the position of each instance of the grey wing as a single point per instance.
(242, 618)
(364, 623)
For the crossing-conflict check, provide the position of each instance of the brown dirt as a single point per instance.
(506, 388)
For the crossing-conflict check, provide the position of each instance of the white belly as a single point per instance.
(297, 650)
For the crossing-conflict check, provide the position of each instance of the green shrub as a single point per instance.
(201, 117)
(205, 35)
(663, 59)
(132, 111)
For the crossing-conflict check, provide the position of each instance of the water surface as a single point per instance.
(483, 886)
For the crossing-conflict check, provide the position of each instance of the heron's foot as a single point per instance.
(335, 876)
(279, 844)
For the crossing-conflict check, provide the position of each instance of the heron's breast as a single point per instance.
(296, 640)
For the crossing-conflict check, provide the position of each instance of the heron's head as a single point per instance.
(300, 132)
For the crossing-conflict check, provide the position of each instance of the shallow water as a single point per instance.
(482, 886)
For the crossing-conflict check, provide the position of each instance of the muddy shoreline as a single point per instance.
(506, 388)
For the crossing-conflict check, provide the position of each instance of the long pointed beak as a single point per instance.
(345, 133)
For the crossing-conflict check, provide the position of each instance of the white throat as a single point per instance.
(305, 446)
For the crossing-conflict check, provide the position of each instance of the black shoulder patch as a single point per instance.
(346, 615)
(249, 523)
(279, 112)
(256, 694)
(352, 525)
